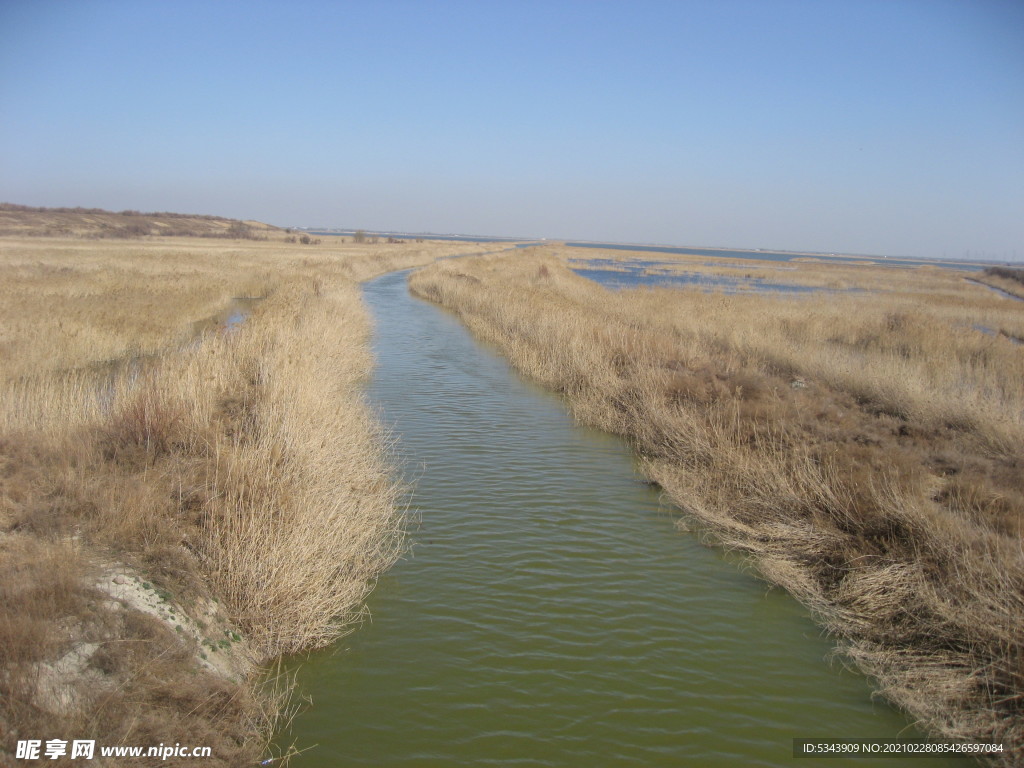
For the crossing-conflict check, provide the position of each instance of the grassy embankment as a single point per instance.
(864, 448)
(95, 223)
(180, 500)
(1007, 279)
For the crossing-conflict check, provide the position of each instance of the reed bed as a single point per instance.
(1006, 279)
(233, 471)
(864, 449)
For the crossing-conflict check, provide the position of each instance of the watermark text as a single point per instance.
(86, 749)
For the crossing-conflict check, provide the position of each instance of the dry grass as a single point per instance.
(23, 220)
(1006, 279)
(865, 449)
(235, 470)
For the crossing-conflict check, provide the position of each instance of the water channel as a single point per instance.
(549, 613)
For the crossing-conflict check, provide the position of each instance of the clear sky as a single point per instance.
(888, 126)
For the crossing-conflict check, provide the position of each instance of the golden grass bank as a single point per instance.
(182, 501)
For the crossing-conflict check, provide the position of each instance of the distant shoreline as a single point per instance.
(721, 251)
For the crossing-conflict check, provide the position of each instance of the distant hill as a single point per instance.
(23, 220)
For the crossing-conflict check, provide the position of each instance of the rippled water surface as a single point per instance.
(549, 613)
(635, 274)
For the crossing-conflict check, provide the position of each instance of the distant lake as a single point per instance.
(634, 274)
(784, 256)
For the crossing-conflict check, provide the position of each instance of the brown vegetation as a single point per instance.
(865, 449)
(182, 498)
(1007, 279)
(28, 221)
(1017, 275)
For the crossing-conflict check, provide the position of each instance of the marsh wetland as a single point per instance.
(861, 447)
(647, 525)
(550, 612)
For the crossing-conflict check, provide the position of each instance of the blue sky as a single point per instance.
(890, 127)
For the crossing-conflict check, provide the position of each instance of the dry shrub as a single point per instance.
(40, 583)
(156, 693)
(144, 425)
(298, 522)
(864, 451)
(73, 666)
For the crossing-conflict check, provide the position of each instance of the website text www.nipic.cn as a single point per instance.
(85, 749)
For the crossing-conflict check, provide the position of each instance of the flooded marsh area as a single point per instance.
(862, 448)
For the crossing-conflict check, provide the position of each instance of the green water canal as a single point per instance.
(549, 613)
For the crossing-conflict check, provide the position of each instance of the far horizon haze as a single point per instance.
(874, 127)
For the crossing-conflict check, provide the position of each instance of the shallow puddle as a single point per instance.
(229, 318)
